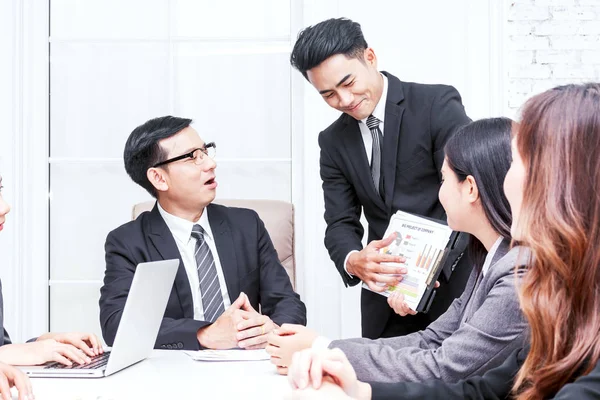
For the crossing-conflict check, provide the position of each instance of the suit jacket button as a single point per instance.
(169, 347)
(162, 346)
(180, 345)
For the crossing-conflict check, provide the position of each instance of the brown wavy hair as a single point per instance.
(559, 141)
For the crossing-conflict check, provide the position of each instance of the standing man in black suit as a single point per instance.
(228, 265)
(383, 154)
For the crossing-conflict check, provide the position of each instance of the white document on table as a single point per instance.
(229, 355)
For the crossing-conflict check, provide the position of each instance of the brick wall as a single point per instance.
(551, 42)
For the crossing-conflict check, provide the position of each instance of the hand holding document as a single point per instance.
(423, 243)
(228, 355)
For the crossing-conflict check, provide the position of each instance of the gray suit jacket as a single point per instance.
(477, 333)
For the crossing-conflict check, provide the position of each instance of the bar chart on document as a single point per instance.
(422, 243)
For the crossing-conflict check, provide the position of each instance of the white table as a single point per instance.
(171, 374)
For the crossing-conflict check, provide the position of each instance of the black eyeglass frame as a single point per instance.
(189, 155)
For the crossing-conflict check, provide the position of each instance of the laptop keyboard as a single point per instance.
(97, 362)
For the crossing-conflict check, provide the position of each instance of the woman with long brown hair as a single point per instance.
(553, 187)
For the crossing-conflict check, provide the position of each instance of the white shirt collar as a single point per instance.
(379, 111)
(490, 256)
(182, 228)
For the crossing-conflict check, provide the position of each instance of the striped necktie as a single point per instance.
(373, 125)
(212, 299)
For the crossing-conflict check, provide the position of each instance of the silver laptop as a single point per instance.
(138, 329)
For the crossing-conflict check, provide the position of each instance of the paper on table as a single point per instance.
(228, 355)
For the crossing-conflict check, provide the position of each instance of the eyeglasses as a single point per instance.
(198, 155)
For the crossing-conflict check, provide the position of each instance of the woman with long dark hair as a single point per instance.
(553, 187)
(484, 325)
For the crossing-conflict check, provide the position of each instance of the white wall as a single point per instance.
(461, 43)
(23, 160)
(552, 42)
(116, 64)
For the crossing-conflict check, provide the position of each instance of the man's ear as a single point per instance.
(471, 187)
(158, 178)
(370, 57)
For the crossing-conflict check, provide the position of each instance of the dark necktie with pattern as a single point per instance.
(212, 299)
(373, 125)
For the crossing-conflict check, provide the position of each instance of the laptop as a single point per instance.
(137, 331)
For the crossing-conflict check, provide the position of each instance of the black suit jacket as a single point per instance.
(419, 119)
(496, 384)
(247, 256)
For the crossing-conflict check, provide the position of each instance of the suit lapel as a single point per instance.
(501, 251)
(225, 248)
(391, 136)
(163, 241)
(355, 146)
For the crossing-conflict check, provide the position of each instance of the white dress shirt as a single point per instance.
(490, 256)
(181, 229)
(379, 113)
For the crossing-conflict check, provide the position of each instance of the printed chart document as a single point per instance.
(229, 355)
(424, 244)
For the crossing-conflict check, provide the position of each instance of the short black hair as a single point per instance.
(142, 149)
(482, 149)
(334, 36)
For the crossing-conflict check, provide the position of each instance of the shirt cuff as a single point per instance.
(346, 263)
(321, 343)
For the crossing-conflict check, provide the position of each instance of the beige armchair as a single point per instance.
(278, 217)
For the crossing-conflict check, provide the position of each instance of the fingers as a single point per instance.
(278, 362)
(271, 350)
(391, 267)
(246, 306)
(254, 321)
(71, 353)
(249, 333)
(316, 371)
(94, 342)
(301, 363)
(87, 342)
(385, 280)
(337, 355)
(378, 244)
(23, 385)
(288, 329)
(282, 370)
(257, 347)
(399, 305)
(241, 315)
(375, 287)
(277, 337)
(336, 364)
(292, 370)
(276, 356)
(260, 341)
(239, 302)
(5, 387)
(339, 371)
(59, 358)
(83, 346)
(275, 340)
(237, 316)
(437, 284)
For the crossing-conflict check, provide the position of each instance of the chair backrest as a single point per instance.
(278, 217)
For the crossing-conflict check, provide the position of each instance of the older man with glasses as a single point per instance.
(228, 266)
